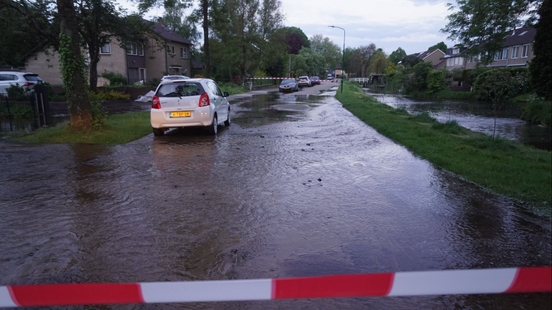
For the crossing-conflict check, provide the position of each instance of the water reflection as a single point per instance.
(477, 116)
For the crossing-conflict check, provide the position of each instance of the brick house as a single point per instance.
(144, 61)
(516, 51)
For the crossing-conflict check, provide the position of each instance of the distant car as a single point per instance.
(189, 103)
(27, 80)
(315, 80)
(304, 81)
(329, 77)
(288, 85)
(174, 77)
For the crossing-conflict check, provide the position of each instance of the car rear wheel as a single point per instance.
(158, 132)
(213, 129)
(227, 121)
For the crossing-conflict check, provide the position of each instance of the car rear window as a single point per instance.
(180, 89)
(32, 77)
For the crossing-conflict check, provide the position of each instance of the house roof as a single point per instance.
(428, 53)
(520, 36)
(168, 34)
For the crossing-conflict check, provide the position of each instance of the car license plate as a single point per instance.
(181, 114)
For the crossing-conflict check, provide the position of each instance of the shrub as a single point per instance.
(18, 93)
(537, 111)
(435, 81)
(17, 111)
(115, 79)
(99, 114)
(113, 95)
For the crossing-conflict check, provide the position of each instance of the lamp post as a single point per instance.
(343, 59)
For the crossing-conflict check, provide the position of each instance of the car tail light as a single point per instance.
(204, 100)
(27, 84)
(155, 103)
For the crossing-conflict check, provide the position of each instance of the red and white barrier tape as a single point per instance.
(447, 282)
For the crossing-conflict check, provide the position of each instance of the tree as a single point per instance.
(363, 56)
(26, 28)
(480, 25)
(441, 46)
(296, 40)
(100, 22)
(72, 67)
(497, 86)
(330, 51)
(541, 65)
(410, 61)
(397, 55)
(379, 62)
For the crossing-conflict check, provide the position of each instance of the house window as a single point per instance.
(171, 49)
(183, 53)
(140, 48)
(455, 51)
(105, 49)
(496, 56)
(515, 52)
(505, 53)
(525, 51)
(175, 70)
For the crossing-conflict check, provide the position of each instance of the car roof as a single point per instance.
(169, 81)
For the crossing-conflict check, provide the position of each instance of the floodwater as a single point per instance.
(296, 186)
(477, 116)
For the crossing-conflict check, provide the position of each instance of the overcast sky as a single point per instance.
(412, 25)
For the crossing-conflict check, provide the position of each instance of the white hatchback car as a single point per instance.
(189, 103)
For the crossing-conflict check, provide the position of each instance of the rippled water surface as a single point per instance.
(297, 186)
(477, 116)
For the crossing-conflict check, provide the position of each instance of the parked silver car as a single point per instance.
(189, 103)
(27, 80)
(304, 81)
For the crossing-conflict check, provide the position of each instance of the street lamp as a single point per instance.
(343, 59)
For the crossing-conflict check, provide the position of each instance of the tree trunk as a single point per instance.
(206, 53)
(72, 67)
(93, 68)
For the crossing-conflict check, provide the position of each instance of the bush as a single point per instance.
(494, 85)
(18, 93)
(113, 95)
(17, 111)
(436, 81)
(99, 114)
(537, 111)
(115, 79)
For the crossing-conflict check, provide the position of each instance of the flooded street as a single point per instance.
(477, 116)
(296, 186)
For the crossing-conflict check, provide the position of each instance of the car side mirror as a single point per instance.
(225, 94)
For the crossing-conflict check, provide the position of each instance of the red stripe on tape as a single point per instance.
(76, 294)
(333, 286)
(536, 279)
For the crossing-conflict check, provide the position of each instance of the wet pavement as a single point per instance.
(296, 186)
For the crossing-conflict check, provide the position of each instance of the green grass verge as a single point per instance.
(118, 129)
(503, 166)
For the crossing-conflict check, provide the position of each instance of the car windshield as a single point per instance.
(287, 82)
(303, 77)
(314, 78)
(180, 90)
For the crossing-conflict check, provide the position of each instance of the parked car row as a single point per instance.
(293, 85)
